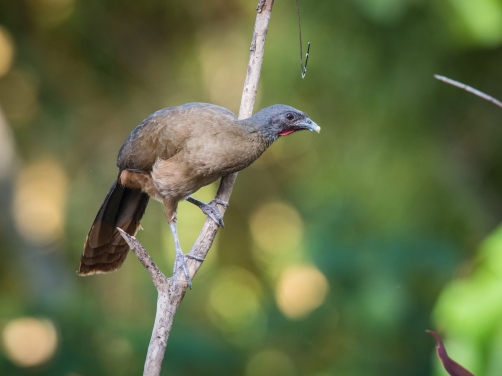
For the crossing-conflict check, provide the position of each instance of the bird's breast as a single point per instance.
(223, 155)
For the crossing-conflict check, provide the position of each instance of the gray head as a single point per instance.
(281, 120)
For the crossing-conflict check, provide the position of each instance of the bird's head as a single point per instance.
(281, 120)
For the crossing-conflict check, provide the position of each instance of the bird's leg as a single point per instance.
(170, 208)
(210, 209)
(180, 256)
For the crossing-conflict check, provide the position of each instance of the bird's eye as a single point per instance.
(290, 116)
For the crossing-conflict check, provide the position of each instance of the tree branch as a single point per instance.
(172, 290)
(158, 278)
(469, 89)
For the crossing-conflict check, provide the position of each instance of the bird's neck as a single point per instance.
(255, 129)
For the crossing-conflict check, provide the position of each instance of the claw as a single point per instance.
(210, 209)
(195, 257)
(218, 201)
(213, 213)
(181, 257)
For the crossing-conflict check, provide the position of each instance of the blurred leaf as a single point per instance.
(452, 367)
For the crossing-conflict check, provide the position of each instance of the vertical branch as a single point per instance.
(172, 290)
(257, 49)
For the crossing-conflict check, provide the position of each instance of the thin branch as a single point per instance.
(303, 69)
(257, 50)
(158, 278)
(172, 290)
(470, 89)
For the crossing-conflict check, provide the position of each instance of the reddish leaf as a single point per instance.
(452, 367)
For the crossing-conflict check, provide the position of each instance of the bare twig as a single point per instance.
(255, 58)
(303, 69)
(158, 278)
(470, 89)
(172, 290)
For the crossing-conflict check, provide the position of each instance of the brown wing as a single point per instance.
(164, 133)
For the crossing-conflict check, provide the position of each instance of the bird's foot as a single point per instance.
(213, 213)
(210, 209)
(181, 258)
(219, 202)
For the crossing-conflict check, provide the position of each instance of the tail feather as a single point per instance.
(105, 250)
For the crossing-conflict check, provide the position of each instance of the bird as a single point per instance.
(168, 157)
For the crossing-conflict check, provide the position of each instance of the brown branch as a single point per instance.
(158, 278)
(172, 290)
(469, 89)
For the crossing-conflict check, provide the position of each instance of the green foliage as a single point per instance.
(469, 310)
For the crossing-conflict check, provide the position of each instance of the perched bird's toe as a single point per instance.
(181, 260)
(213, 213)
(220, 202)
(195, 257)
(210, 209)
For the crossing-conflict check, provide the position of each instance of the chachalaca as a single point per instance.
(170, 155)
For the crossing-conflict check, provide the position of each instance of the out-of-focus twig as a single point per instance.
(470, 89)
(303, 69)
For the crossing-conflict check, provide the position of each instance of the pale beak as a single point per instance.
(310, 125)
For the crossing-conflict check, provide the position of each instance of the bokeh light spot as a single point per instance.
(29, 341)
(19, 96)
(270, 363)
(234, 305)
(116, 353)
(483, 19)
(221, 60)
(300, 290)
(6, 51)
(276, 227)
(51, 12)
(39, 202)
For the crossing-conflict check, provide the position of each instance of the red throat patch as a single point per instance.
(286, 132)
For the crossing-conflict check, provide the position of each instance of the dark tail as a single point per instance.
(105, 250)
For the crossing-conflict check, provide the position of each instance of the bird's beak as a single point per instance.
(310, 125)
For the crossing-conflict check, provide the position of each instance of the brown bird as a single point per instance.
(170, 155)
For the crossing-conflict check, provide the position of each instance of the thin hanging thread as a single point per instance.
(303, 69)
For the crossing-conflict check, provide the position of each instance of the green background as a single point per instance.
(388, 208)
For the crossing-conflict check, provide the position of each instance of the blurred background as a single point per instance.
(340, 249)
